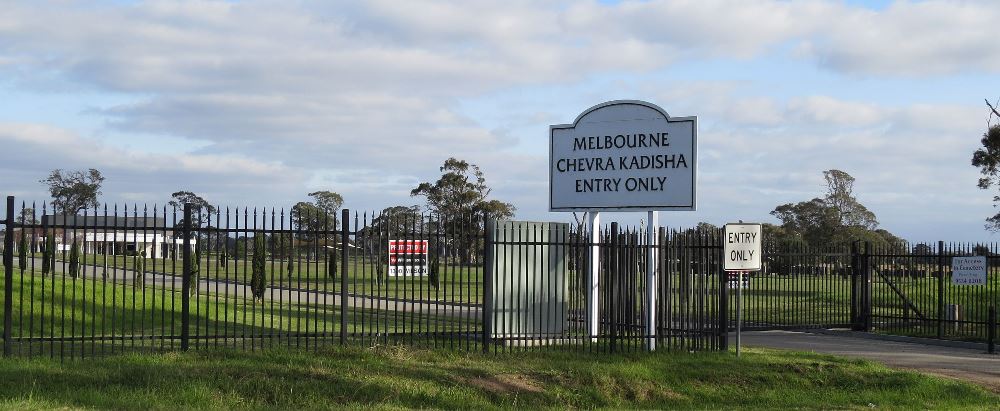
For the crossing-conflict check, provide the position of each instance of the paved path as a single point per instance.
(961, 363)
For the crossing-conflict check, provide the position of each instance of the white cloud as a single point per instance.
(368, 96)
(32, 150)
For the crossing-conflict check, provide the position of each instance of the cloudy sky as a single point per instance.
(260, 102)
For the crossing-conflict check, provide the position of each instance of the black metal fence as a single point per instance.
(159, 279)
(911, 291)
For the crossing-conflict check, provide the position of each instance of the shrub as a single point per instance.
(258, 283)
(49, 255)
(74, 260)
(193, 274)
(22, 253)
(331, 264)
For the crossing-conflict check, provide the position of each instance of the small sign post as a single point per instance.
(741, 245)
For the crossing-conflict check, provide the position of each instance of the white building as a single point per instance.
(146, 236)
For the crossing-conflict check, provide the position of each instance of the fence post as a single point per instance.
(611, 287)
(856, 323)
(866, 290)
(489, 230)
(940, 293)
(345, 224)
(186, 280)
(723, 297)
(8, 276)
(991, 331)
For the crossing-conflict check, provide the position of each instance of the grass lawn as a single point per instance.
(59, 306)
(457, 283)
(392, 377)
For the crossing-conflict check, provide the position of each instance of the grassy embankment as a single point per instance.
(396, 377)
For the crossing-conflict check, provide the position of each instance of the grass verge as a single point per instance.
(398, 377)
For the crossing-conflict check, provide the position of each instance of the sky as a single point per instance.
(257, 103)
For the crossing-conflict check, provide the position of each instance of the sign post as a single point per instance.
(623, 155)
(742, 248)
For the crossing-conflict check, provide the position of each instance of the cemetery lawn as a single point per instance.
(392, 377)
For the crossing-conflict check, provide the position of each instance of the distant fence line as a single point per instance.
(159, 279)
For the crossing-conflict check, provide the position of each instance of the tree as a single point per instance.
(312, 221)
(987, 159)
(195, 270)
(22, 253)
(462, 191)
(258, 282)
(73, 191)
(198, 204)
(396, 221)
(201, 211)
(74, 259)
(812, 221)
(458, 200)
(837, 218)
(27, 216)
(840, 197)
(49, 255)
(327, 201)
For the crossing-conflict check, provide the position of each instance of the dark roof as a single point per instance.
(103, 222)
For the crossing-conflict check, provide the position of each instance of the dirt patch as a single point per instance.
(504, 383)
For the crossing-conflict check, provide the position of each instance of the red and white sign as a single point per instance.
(407, 257)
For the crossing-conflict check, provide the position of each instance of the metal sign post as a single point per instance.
(742, 248)
(739, 309)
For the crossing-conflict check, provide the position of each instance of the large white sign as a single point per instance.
(968, 270)
(623, 156)
(741, 244)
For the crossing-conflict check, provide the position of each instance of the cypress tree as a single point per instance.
(49, 255)
(195, 269)
(22, 253)
(223, 258)
(331, 264)
(74, 260)
(432, 275)
(258, 283)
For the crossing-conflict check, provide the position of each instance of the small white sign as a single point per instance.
(741, 243)
(968, 270)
